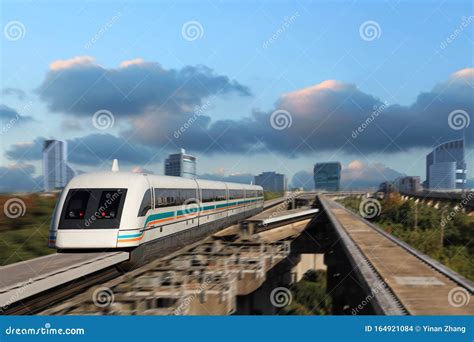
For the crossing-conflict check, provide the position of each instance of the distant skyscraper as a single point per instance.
(445, 167)
(56, 171)
(271, 181)
(181, 165)
(327, 176)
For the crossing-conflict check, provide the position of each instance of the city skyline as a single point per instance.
(296, 89)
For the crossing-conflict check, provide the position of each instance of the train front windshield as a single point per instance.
(92, 209)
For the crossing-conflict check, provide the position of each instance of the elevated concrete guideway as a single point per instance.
(400, 279)
(27, 279)
(207, 279)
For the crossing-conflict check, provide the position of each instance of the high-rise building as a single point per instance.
(445, 166)
(327, 176)
(56, 171)
(271, 181)
(181, 165)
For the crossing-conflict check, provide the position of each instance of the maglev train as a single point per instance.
(147, 214)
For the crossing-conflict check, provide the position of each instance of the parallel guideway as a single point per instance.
(420, 284)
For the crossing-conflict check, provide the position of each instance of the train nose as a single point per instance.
(86, 238)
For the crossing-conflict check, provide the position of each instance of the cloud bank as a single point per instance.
(80, 86)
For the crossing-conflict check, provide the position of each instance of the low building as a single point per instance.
(387, 187)
(408, 184)
(272, 181)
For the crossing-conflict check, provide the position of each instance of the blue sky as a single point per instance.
(247, 42)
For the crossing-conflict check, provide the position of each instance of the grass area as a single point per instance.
(268, 195)
(309, 296)
(26, 236)
(428, 230)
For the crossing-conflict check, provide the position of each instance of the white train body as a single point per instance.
(122, 210)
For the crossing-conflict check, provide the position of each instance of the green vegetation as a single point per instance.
(25, 237)
(309, 296)
(428, 230)
(268, 195)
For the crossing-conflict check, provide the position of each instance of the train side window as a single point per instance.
(213, 195)
(146, 203)
(77, 205)
(236, 194)
(172, 197)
